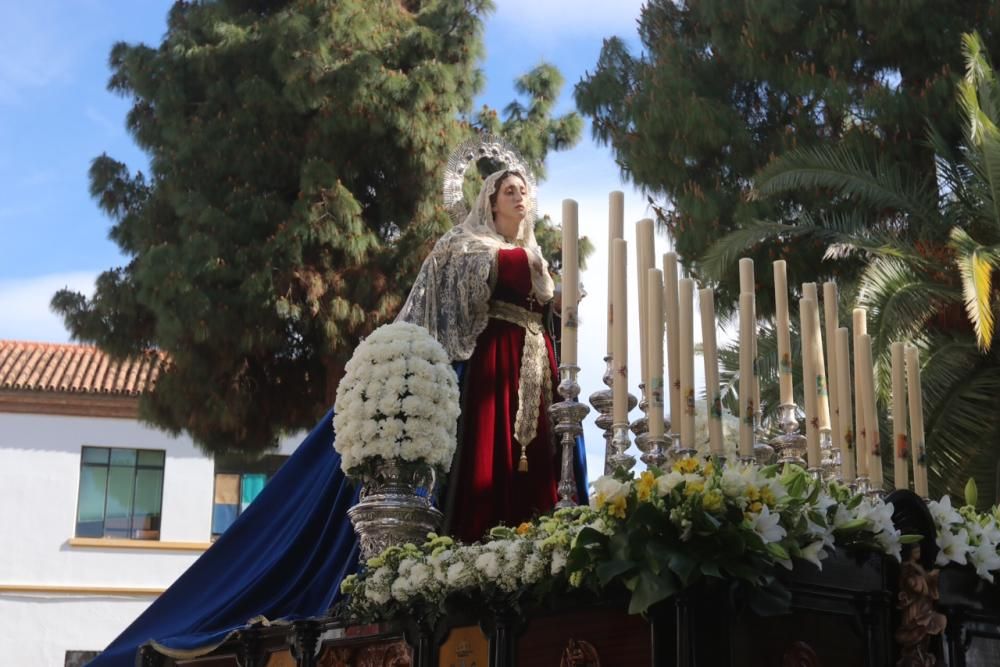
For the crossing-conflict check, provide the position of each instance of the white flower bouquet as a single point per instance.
(656, 535)
(398, 400)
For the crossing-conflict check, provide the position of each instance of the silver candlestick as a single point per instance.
(620, 443)
(829, 456)
(653, 449)
(862, 485)
(641, 425)
(789, 445)
(763, 453)
(603, 402)
(567, 416)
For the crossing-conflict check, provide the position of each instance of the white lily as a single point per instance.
(986, 560)
(953, 547)
(815, 553)
(766, 525)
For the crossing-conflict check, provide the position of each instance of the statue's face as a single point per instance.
(510, 206)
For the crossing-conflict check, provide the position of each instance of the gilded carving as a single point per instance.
(580, 653)
(918, 589)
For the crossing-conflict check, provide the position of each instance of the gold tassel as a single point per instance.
(522, 465)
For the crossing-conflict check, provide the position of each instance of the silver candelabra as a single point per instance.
(603, 402)
(567, 415)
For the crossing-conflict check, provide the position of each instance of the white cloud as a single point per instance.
(25, 305)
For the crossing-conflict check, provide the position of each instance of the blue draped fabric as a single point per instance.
(284, 557)
(580, 471)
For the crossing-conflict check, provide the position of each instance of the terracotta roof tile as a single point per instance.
(32, 366)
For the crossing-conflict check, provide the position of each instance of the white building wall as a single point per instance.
(39, 483)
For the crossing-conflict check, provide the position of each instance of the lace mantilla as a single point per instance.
(451, 294)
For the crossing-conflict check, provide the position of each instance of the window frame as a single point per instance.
(268, 464)
(135, 468)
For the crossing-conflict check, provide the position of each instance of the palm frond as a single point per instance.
(899, 299)
(960, 390)
(724, 252)
(839, 229)
(975, 265)
(880, 185)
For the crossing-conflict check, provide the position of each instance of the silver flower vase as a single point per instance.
(396, 507)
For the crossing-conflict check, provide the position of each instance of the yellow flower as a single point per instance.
(523, 528)
(645, 485)
(712, 501)
(753, 494)
(756, 507)
(618, 507)
(767, 496)
(687, 465)
(691, 488)
(709, 469)
(599, 500)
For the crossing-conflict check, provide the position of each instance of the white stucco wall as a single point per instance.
(39, 483)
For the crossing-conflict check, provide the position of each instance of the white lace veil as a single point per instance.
(451, 294)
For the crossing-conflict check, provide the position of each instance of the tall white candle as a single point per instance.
(901, 450)
(783, 332)
(747, 407)
(706, 301)
(619, 387)
(864, 362)
(570, 281)
(848, 468)
(672, 322)
(859, 319)
(644, 262)
(616, 230)
(746, 276)
(916, 401)
(654, 390)
(810, 378)
(809, 291)
(831, 321)
(748, 284)
(685, 299)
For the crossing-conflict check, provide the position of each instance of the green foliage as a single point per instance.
(928, 254)
(296, 150)
(971, 493)
(695, 527)
(721, 88)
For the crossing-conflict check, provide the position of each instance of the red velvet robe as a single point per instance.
(490, 488)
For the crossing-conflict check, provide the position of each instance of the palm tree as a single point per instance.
(928, 244)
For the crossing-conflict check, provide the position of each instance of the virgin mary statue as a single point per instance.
(483, 292)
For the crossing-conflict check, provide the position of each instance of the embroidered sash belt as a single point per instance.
(535, 382)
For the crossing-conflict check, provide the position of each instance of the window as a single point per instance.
(121, 492)
(79, 658)
(237, 482)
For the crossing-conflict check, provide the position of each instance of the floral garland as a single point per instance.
(656, 535)
(398, 400)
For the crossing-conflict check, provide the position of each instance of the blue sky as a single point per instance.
(56, 116)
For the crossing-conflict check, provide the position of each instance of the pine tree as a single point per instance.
(721, 88)
(295, 155)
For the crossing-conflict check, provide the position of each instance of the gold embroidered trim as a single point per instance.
(535, 382)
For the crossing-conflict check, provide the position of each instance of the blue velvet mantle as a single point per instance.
(282, 559)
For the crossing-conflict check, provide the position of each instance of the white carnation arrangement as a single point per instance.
(398, 400)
